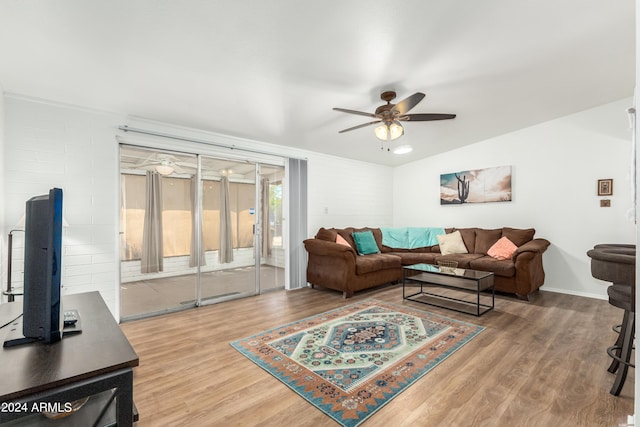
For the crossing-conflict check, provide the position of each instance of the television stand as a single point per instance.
(98, 360)
(14, 336)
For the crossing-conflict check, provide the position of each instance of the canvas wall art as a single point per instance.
(476, 186)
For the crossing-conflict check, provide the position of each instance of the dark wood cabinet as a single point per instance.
(98, 362)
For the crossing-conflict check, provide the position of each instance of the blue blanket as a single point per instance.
(410, 237)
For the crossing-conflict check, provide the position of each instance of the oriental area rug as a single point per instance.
(351, 361)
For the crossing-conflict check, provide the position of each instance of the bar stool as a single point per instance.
(616, 264)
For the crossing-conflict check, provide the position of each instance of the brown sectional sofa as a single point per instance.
(335, 266)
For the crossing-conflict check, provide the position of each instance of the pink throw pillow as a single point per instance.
(502, 249)
(342, 241)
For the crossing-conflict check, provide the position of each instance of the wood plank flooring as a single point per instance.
(539, 363)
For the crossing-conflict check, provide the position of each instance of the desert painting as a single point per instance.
(476, 186)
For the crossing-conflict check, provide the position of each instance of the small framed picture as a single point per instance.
(605, 187)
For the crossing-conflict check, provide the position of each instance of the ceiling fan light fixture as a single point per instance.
(382, 132)
(403, 149)
(389, 131)
(396, 130)
(164, 169)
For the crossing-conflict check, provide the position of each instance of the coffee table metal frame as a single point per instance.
(459, 279)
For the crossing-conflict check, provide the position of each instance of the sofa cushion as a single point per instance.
(365, 242)
(375, 262)
(468, 237)
(502, 249)
(504, 268)
(427, 249)
(452, 244)
(328, 235)
(485, 239)
(463, 260)
(518, 236)
(410, 258)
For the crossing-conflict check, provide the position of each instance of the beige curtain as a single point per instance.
(266, 224)
(152, 250)
(225, 251)
(193, 258)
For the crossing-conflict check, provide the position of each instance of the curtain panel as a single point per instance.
(152, 247)
(265, 218)
(193, 257)
(225, 251)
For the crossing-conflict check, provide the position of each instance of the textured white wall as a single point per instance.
(346, 193)
(52, 146)
(555, 167)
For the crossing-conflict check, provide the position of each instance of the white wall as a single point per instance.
(345, 193)
(54, 146)
(48, 145)
(555, 167)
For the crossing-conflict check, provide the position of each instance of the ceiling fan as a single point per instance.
(166, 164)
(390, 115)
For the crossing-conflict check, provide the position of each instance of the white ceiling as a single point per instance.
(271, 70)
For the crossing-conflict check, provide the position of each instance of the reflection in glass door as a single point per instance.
(156, 222)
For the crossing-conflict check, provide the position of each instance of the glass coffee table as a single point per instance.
(423, 278)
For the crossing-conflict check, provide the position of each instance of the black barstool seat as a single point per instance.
(621, 297)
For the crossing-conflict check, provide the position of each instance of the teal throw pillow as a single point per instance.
(365, 243)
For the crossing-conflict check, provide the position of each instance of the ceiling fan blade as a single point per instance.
(426, 117)
(186, 165)
(361, 113)
(360, 126)
(179, 170)
(408, 103)
(146, 163)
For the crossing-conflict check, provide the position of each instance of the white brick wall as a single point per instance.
(346, 193)
(74, 149)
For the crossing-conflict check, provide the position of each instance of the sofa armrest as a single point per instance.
(529, 269)
(326, 248)
(535, 245)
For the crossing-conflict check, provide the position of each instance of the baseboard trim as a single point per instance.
(576, 293)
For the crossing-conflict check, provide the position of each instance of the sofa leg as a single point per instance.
(347, 294)
(523, 297)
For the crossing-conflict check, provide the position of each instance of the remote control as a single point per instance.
(70, 318)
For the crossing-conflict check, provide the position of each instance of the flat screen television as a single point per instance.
(42, 318)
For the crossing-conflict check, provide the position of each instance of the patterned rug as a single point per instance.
(351, 361)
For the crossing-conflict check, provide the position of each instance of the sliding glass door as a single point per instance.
(197, 229)
(271, 250)
(229, 221)
(156, 222)
(242, 228)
